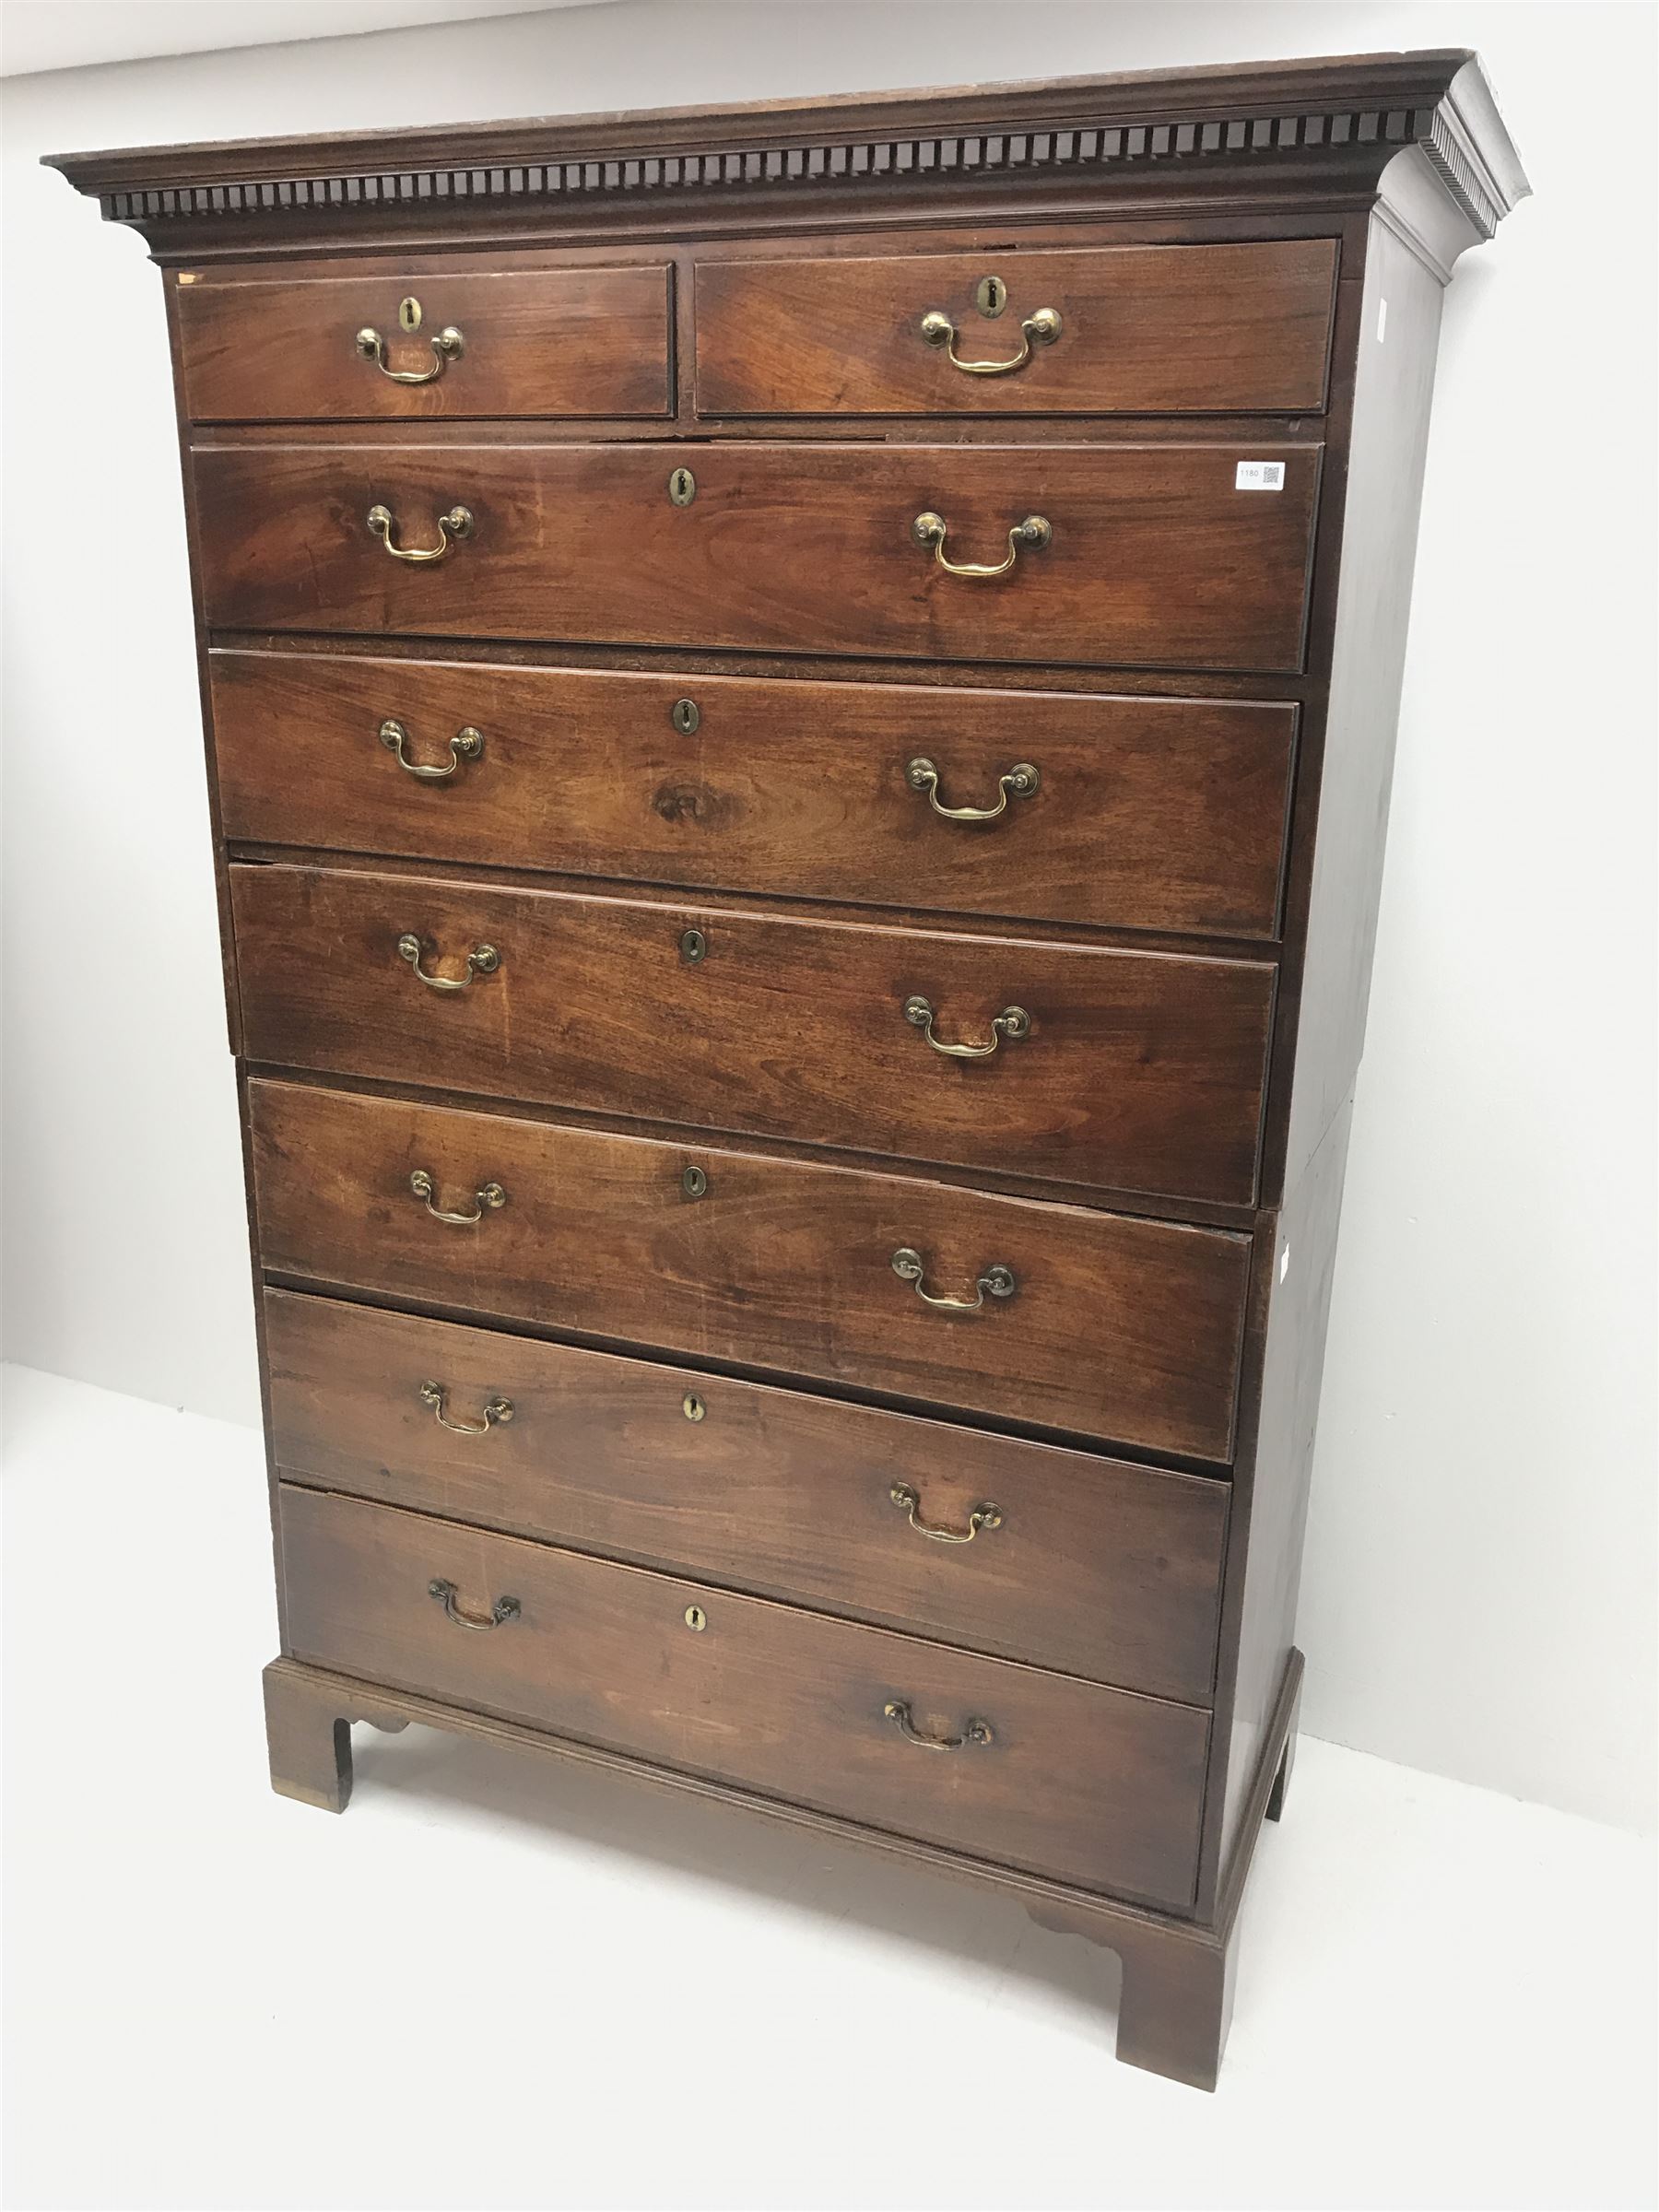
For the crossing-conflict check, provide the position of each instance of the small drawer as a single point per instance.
(1100, 1324)
(1007, 1764)
(1067, 1561)
(1159, 813)
(390, 346)
(1177, 556)
(1080, 1063)
(1115, 330)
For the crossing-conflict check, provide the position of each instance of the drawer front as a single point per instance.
(1087, 1565)
(1134, 330)
(1063, 1777)
(1135, 1071)
(1156, 556)
(1116, 1328)
(554, 343)
(1146, 813)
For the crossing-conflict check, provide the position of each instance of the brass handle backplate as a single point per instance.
(483, 959)
(973, 1732)
(447, 344)
(465, 745)
(982, 1516)
(456, 523)
(1040, 328)
(1017, 782)
(497, 1409)
(1013, 1023)
(489, 1196)
(995, 1281)
(929, 529)
(499, 1614)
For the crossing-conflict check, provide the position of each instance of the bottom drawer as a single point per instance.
(1065, 1778)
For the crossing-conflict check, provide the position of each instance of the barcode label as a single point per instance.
(1260, 475)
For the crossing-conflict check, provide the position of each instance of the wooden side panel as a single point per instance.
(1391, 426)
(1389, 438)
(1064, 1777)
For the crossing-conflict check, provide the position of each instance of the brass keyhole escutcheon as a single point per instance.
(692, 1406)
(682, 487)
(408, 313)
(695, 1617)
(693, 946)
(686, 716)
(990, 296)
(694, 1182)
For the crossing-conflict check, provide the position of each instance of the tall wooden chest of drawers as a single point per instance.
(800, 709)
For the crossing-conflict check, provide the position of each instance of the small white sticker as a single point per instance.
(1382, 321)
(1284, 1263)
(1260, 475)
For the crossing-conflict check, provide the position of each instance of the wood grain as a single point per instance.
(1095, 1566)
(1141, 1071)
(1157, 559)
(1172, 330)
(1080, 1782)
(1160, 814)
(1120, 1328)
(566, 343)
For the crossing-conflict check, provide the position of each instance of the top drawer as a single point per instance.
(555, 343)
(1112, 330)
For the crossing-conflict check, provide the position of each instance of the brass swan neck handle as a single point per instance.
(929, 529)
(1040, 328)
(447, 344)
(897, 1710)
(1020, 782)
(1013, 1023)
(995, 1281)
(456, 524)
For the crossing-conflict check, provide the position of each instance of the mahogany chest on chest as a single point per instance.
(800, 705)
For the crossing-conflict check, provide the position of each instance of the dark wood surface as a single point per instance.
(1085, 1784)
(1157, 557)
(1176, 330)
(560, 343)
(774, 1290)
(1140, 1071)
(1119, 1328)
(1094, 1567)
(1150, 813)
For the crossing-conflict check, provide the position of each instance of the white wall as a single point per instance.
(1476, 1590)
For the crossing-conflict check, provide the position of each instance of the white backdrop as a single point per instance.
(1478, 1591)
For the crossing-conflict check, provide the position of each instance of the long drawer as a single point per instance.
(1148, 330)
(570, 343)
(1010, 1765)
(1078, 1320)
(1088, 1564)
(1165, 814)
(1131, 1070)
(1166, 555)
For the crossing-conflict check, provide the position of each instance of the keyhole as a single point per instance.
(992, 296)
(682, 487)
(695, 1617)
(694, 1182)
(408, 313)
(692, 1406)
(687, 716)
